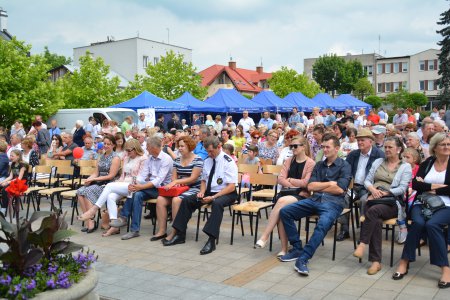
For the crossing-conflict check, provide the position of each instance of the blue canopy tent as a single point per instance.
(148, 100)
(194, 105)
(300, 101)
(353, 103)
(233, 102)
(323, 100)
(272, 102)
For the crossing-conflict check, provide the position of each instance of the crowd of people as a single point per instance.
(395, 166)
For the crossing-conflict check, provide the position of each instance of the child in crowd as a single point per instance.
(252, 156)
(412, 157)
(229, 149)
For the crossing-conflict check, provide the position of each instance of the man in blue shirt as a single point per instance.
(54, 129)
(196, 120)
(199, 149)
(294, 118)
(329, 181)
(266, 120)
(330, 119)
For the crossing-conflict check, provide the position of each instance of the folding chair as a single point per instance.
(272, 169)
(31, 193)
(56, 191)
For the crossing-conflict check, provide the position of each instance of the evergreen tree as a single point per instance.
(444, 58)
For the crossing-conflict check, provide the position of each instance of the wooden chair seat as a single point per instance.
(69, 194)
(150, 201)
(265, 193)
(391, 222)
(34, 189)
(49, 192)
(46, 180)
(69, 182)
(251, 206)
(244, 190)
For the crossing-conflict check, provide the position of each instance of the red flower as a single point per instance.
(17, 187)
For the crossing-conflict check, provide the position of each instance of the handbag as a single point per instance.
(173, 191)
(289, 192)
(387, 200)
(431, 203)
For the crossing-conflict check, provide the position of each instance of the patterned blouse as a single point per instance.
(265, 152)
(186, 171)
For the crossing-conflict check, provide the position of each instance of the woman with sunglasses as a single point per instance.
(294, 178)
(268, 149)
(286, 152)
(433, 177)
(108, 166)
(255, 136)
(132, 162)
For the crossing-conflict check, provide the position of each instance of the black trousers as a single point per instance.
(191, 204)
(5, 197)
(372, 228)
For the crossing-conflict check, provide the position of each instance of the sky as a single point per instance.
(274, 32)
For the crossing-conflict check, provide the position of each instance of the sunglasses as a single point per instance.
(129, 150)
(255, 137)
(295, 146)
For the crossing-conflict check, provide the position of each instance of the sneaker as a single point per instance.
(401, 238)
(130, 235)
(301, 266)
(293, 254)
(117, 223)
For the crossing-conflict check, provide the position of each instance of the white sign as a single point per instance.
(150, 116)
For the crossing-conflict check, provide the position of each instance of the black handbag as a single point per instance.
(431, 203)
(387, 200)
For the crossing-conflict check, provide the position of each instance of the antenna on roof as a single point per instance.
(379, 44)
(231, 57)
(137, 33)
(261, 62)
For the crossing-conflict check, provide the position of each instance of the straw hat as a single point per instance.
(365, 133)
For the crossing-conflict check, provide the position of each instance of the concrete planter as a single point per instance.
(83, 290)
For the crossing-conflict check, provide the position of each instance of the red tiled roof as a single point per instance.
(243, 79)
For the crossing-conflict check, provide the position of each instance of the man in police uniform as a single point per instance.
(218, 187)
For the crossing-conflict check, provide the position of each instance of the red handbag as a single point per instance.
(173, 191)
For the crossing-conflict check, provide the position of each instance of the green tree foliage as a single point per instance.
(169, 79)
(24, 86)
(90, 86)
(418, 99)
(373, 100)
(363, 88)
(55, 60)
(287, 80)
(444, 57)
(333, 74)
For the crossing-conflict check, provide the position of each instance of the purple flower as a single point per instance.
(51, 283)
(65, 283)
(63, 275)
(14, 290)
(5, 279)
(52, 269)
(31, 284)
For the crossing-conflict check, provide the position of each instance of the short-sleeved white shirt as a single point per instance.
(226, 172)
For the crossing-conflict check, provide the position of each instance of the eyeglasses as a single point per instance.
(274, 136)
(255, 137)
(129, 150)
(295, 146)
(444, 145)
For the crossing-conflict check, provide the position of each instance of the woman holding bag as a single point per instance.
(433, 178)
(186, 171)
(293, 178)
(387, 183)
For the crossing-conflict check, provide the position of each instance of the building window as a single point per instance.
(388, 68)
(368, 70)
(396, 67)
(404, 67)
(430, 85)
(422, 65)
(145, 61)
(405, 85)
(422, 85)
(396, 86)
(379, 68)
(380, 88)
(388, 87)
(431, 65)
(155, 60)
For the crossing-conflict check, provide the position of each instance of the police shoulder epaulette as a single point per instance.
(228, 159)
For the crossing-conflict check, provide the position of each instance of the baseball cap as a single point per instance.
(379, 129)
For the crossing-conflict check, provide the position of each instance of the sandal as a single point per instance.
(110, 232)
(86, 216)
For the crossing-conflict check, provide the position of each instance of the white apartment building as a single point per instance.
(413, 73)
(129, 57)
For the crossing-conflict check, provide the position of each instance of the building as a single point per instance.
(60, 71)
(413, 73)
(130, 57)
(4, 34)
(247, 82)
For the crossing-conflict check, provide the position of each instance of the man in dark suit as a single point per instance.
(160, 122)
(360, 161)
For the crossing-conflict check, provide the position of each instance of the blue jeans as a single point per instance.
(134, 206)
(328, 212)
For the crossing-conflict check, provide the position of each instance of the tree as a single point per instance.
(328, 72)
(90, 86)
(400, 99)
(373, 100)
(55, 60)
(287, 80)
(353, 72)
(418, 99)
(444, 58)
(363, 88)
(169, 79)
(24, 86)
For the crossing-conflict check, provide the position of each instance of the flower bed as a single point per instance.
(58, 272)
